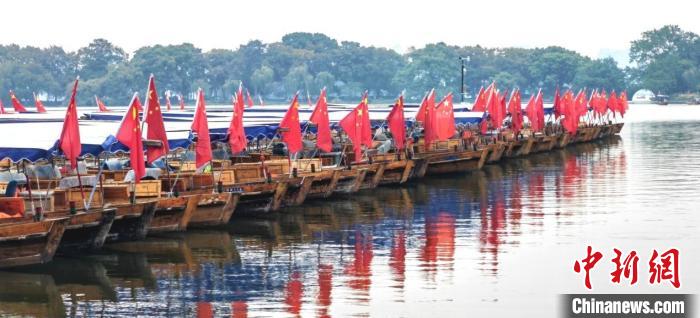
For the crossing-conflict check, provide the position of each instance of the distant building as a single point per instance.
(643, 96)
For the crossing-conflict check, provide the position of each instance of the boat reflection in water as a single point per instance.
(377, 252)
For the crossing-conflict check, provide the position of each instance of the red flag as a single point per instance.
(2, 108)
(581, 108)
(397, 124)
(182, 102)
(539, 104)
(154, 120)
(557, 104)
(495, 109)
(613, 103)
(484, 126)
(129, 134)
(516, 113)
(248, 99)
(16, 103)
(430, 130)
(592, 102)
(622, 103)
(237, 138)
(570, 113)
(445, 118)
(320, 118)
(290, 123)
(139, 106)
(351, 125)
(355, 125)
(167, 101)
(480, 101)
(100, 105)
(69, 142)
(604, 102)
(531, 112)
(39, 105)
(200, 126)
(422, 109)
(366, 124)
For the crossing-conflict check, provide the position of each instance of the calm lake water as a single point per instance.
(498, 243)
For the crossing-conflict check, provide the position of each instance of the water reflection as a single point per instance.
(332, 258)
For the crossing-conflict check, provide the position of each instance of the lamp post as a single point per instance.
(463, 70)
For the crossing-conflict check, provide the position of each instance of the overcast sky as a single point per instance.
(594, 27)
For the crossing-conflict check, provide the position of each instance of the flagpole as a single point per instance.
(80, 185)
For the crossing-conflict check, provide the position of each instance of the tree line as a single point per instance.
(666, 60)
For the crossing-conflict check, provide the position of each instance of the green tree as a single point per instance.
(602, 73)
(298, 79)
(95, 59)
(262, 79)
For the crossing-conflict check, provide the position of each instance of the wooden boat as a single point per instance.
(496, 151)
(24, 241)
(519, 148)
(85, 230)
(397, 170)
(543, 143)
(350, 180)
(374, 174)
(171, 213)
(324, 183)
(563, 140)
(213, 208)
(617, 128)
(131, 220)
(451, 157)
(258, 195)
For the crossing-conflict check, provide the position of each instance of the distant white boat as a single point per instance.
(643, 96)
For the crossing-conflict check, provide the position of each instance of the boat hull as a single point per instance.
(27, 242)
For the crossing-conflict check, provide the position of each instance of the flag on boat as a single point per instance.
(38, 104)
(153, 118)
(531, 112)
(539, 106)
(16, 103)
(445, 118)
(129, 135)
(516, 112)
(479, 101)
(613, 103)
(622, 103)
(495, 108)
(557, 104)
(2, 108)
(366, 124)
(236, 138)
(138, 103)
(100, 105)
(355, 126)
(249, 100)
(570, 122)
(167, 101)
(200, 126)
(319, 117)
(290, 130)
(397, 124)
(182, 102)
(69, 142)
(430, 130)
